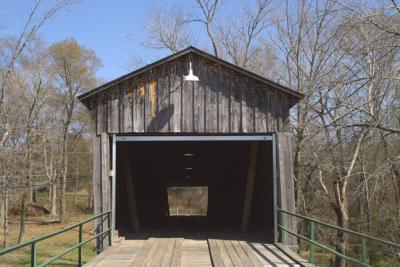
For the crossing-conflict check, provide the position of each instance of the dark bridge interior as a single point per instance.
(219, 166)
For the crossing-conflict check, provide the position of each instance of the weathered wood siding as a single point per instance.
(285, 182)
(223, 101)
(101, 182)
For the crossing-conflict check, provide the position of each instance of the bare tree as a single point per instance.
(240, 37)
(167, 29)
(14, 49)
(208, 10)
(32, 83)
(36, 19)
(384, 16)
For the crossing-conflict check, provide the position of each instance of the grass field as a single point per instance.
(37, 226)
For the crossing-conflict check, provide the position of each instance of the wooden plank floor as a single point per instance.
(198, 250)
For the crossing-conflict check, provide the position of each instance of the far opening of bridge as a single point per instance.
(194, 182)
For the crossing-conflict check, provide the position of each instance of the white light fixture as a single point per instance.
(190, 77)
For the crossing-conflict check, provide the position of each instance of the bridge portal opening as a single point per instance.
(194, 184)
(187, 200)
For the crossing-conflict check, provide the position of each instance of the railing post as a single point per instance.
(282, 223)
(80, 247)
(109, 227)
(312, 238)
(33, 254)
(364, 252)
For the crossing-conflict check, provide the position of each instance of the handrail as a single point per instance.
(312, 242)
(81, 242)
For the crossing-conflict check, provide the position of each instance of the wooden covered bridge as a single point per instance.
(192, 167)
(221, 136)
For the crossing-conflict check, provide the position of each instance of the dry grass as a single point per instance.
(37, 226)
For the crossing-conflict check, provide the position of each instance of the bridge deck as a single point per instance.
(196, 250)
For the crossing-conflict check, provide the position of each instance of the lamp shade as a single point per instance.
(190, 77)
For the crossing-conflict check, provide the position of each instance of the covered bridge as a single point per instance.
(224, 138)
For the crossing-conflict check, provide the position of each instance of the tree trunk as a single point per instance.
(396, 185)
(53, 205)
(5, 226)
(29, 172)
(342, 221)
(76, 182)
(367, 198)
(2, 208)
(297, 171)
(22, 217)
(63, 188)
(49, 188)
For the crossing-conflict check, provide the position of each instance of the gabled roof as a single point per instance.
(201, 53)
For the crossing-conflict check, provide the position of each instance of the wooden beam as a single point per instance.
(249, 186)
(285, 183)
(130, 192)
(105, 178)
(96, 180)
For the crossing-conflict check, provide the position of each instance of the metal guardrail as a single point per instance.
(312, 243)
(32, 243)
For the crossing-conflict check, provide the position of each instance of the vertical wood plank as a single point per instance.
(150, 105)
(102, 116)
(224, 94)
(105, 179)
(280, 104)
(285, 182)
(286, 114)
(138, 105)
(113, 110)
(260, 111)
(268, 112)
(212, 100)
(127, 107)
(93, 106)
(163, 109)
(236, 106)
(97, 178)
(199, 97)
(120, 95)
(274, 112)
(187, 101)
(248, 109)
(175, 96)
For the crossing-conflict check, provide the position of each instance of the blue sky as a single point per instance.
(101, 25)
(113, 29)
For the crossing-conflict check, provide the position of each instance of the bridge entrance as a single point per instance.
(202, 183)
